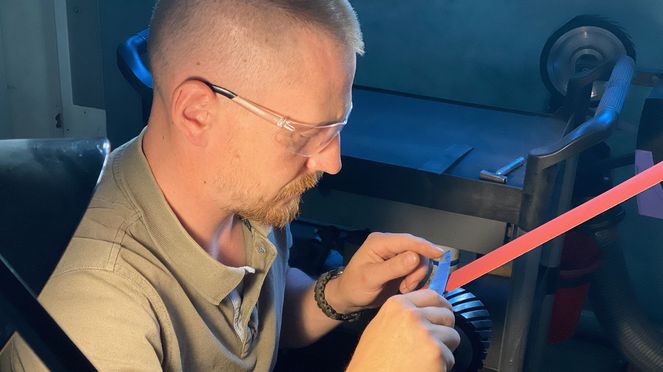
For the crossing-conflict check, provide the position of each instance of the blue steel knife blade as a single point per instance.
(439, 281)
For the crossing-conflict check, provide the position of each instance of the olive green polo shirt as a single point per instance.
(135, 292)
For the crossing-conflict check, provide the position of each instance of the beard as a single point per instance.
(284, 207)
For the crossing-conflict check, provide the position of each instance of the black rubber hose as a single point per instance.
(617, 309)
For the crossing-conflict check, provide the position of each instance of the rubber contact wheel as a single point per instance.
(475, 328)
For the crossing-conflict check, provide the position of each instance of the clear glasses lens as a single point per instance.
(299, 139)
(310, 141)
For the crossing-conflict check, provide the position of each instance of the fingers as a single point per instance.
(387, 246)
(413, 279)
(439, 315)
(399, 255)
(428, 318)
(446, 340)
(394, 268)
(451, 338)
(448, 356)
(426, 298)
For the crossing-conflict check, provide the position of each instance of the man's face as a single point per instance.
(260, 178)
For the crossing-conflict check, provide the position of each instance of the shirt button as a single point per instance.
(261, 249)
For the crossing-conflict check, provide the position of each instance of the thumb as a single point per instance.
(396, 267)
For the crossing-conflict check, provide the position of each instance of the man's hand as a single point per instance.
(411, 332)
(384, 264)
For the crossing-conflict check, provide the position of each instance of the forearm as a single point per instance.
(303, 321)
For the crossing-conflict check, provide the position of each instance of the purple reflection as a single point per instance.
(650, 202)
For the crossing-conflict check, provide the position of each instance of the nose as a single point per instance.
(328, 160)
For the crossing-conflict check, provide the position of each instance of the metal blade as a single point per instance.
(439, 281)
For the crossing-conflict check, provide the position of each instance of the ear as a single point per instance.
(192, 110)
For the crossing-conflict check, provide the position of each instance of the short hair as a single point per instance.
(183, 22)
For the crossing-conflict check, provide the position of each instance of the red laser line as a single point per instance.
(556, 227)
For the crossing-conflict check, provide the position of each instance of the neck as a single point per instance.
(229, 246)
(217, 231)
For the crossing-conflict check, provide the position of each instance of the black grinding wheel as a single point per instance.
(475, 328)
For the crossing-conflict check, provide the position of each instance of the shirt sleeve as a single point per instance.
(106, 315)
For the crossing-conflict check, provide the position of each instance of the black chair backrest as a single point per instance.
(45, 188)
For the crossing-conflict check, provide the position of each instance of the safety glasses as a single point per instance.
(300, 138)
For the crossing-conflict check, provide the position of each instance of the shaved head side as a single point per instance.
(236, 40)
(214, 158)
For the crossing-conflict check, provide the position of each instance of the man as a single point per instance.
(180, 262)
